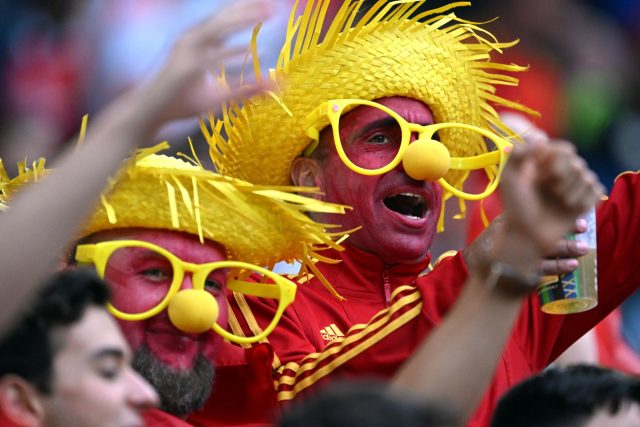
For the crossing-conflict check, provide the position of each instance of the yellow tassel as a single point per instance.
(440, 10)
(196, 205)
(111, 213)
(186, 199)
(253, 46)
(83, 131)
(483, 214)
(308, 263)
(441, 218)
(171, 194)
(4, 176)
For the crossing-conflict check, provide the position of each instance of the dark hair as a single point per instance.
(321, 152)
(364, 404)
(565, 397)
(28, 349)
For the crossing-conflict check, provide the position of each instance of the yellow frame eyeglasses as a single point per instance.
(333, 110)
(282, 289)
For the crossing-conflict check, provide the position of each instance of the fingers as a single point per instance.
(550, 267)
(516, 169)
(565, 177)
(566, 248)
(242, 92)
(207, 40)
(521, 125)
(186, 85)
(584, 194)
(235, 17)
(229, 57)
(580, 226)
(558, 164)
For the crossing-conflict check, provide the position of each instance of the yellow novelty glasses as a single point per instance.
(157, 275)
(380, 146)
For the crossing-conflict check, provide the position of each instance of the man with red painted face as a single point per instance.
(171, 238)
(356, 104)
(178, 364)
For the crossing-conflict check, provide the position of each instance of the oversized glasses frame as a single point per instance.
(333, 110)
(282, 289)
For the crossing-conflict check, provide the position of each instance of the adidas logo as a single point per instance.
(331, 333)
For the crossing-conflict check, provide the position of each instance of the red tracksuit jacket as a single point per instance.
(388, 312)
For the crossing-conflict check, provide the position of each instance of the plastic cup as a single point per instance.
(577, 291)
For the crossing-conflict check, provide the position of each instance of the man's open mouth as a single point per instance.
(407, 204)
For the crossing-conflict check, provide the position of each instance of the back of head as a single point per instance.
(565, 397)
(29, 348)
(363, 404)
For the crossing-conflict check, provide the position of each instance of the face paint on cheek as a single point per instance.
(133, 332)
(131, 291)
(211, 341)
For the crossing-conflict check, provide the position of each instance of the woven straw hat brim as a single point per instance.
(443, 61)
(257, 224)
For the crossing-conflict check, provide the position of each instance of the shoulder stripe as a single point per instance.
(379, 322)
(325, 370)
(447, 254)
(246, 312)
(287, 372)
(234, 324)
(253, 323)
(290, 376)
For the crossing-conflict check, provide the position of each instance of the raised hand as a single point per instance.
(186, 84)
(560, 257)
(546, 186)
(180, 89)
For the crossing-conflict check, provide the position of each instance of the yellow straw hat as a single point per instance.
(262, 225)
(387, 50)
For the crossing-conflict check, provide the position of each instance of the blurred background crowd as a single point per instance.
(61, 59)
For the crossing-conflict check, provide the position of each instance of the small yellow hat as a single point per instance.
(262, 225)
(390, 49)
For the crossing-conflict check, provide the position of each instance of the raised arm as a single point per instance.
(545, 188)
(42, 218)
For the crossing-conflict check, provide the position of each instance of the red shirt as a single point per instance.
(159, 418)
(245, 392)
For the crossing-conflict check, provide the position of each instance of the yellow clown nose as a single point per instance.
(193, 311)
(426, 159)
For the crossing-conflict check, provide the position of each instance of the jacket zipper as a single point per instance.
(386, 286)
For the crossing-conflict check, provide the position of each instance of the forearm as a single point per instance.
(457, 361)
(51, 210)
(43, 218)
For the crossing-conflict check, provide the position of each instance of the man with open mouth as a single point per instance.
(388, 113)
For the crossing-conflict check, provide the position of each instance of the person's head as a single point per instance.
(171, 239)
(388, 62)
(364, 404)
(179, 364)
(66, 362)
(402, 210)
(573, 396)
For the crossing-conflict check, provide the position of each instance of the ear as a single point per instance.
(20, 402)
(306, 172)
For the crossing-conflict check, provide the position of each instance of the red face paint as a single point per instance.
(135, 290)
(398, 214)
